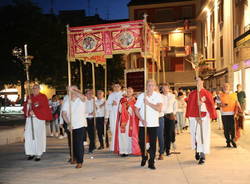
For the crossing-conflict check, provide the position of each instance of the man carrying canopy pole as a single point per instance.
(75, 109)
(145, 79)
(69, 100)
(153, 103)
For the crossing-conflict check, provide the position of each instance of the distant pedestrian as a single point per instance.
(181, 108)
(229, 103)
(217, 102)
(54, 125)
(241, 96)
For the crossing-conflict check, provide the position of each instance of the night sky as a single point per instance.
(117, 8)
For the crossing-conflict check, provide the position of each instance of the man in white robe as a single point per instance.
(200, 119)
(37, 111)
(112, 106)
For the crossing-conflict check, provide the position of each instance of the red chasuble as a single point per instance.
(40, 107)
(192, 104)
(123, 118)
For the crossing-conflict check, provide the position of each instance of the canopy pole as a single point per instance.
(153, 69)
(105, 134)
(163, 66)
(69, 98)
(94, 93)
(158, 74)
(105, 80)
(145, 81)
(81, 76)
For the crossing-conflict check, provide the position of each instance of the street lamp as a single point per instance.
(26, 61)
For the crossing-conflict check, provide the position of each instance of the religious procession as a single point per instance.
(143, 122)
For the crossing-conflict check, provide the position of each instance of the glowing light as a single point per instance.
(176, 30)
(235, 67)
(247, 63)
(12, 97)
(207, 10)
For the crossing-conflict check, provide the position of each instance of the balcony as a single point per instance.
(176, 79)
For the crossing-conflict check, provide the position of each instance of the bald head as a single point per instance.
(36, 89)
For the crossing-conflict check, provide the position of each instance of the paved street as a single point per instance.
(223, 166)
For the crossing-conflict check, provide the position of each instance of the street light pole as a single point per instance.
(26, 61)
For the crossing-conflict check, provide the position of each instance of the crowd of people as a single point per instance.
(130, 123)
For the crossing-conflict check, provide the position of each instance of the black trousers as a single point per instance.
(229, 129)
(78, 147)
(69, 136)
(100, 129)
(169, 132)
(152, 134)
(91, 133)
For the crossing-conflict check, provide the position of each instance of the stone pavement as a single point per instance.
(223, 166)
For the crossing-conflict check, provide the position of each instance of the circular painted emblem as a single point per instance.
(126, 39)
(89, 43)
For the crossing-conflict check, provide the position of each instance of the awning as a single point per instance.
(243, 40)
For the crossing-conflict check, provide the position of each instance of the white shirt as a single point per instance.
(78, 116)
(152, 116)
(100, 111)
(181, 105)
(115, 96)
(54, 106)
(65, 98)
(89, 107)
(169, 103)
(161, 114)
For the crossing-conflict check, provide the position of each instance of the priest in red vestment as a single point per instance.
(126, 134)
(200, 122)
(37, 111)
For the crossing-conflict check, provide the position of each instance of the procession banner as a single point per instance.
(154, 45)
(97, 42)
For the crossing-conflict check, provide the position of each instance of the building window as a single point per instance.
(221, 12)
(212, 24)
(205, 50)
(176, 40)
(212, 50)
(165, 15)
(221, 47)
(187, 12)
(165, 40)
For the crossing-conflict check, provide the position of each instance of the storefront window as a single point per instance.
(247, 89)
(237, 79)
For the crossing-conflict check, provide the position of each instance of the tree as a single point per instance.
(23, 22)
